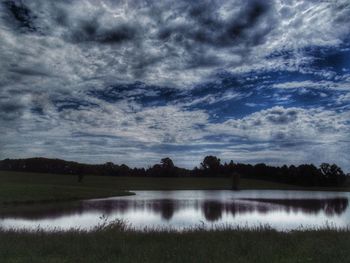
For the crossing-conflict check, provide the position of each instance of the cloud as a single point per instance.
(92, 29)
(164, 43)
(221, 26)
(10, 110)
(288, 125)
(133, 79)
(120, 131)
(162, 124)
(21, 14)
(307, 84)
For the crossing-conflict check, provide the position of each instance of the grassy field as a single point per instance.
(115, 244)
(22, 188)
(17, 187)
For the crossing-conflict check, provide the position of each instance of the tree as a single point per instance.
(167, 163)
(211, 162)
(309, 175)
(332, 174)
(325, 169)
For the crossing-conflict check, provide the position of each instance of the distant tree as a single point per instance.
(109, 168)
(303, 175)
(211, 163)
(196, 171)
(325, 169)
(124, 170)
(309, 175)
(167, 163)
(332, 174)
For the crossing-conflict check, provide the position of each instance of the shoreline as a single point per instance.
(18, 188)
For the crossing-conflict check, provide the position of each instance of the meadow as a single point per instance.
(19, 187)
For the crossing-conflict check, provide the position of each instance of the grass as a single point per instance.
(119, 244)
(142, 183)
(21, 188)
(25, 188)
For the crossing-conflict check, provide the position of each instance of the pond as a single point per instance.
(282, 210)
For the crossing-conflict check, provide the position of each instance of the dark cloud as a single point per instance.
(71, 103)
(206, 26)
(204, 34)
(38, 71)
(92, 30)
(22, 16)
(281, 116)
(10, 110)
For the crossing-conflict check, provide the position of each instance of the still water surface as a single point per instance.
(282, 210)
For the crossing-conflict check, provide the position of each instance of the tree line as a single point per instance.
(211, 166)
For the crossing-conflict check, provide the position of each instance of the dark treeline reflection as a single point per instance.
(329, 206)
(167, 208)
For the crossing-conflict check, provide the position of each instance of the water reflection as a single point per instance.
(212, 210)
(212, 207)
(310, 206)
(166, 208)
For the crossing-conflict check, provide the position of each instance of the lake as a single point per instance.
(282, 210)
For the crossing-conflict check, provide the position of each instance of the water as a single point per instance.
(282, 210)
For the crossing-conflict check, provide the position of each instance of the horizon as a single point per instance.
(198, 166)
(132, 82)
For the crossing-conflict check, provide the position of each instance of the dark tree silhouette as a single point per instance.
(211, 165)
(332, 174)
(211, 162)
(167, 163)
(302, 175)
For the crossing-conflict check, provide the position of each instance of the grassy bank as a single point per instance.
(17, 187)
(21, 188)
(142, 183)
(115, 244)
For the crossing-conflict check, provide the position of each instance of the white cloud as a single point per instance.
(288, 125)
(164, 43)
(61, 49)
(308, 84)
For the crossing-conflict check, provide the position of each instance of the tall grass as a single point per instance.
(119, 242)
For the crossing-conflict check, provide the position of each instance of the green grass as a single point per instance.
(17, 187)
(115, 244)
(21, 188)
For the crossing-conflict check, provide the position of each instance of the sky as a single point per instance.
(135, 81)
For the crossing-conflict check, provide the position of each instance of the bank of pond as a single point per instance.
(183, 209)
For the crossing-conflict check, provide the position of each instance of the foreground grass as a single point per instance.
(115, 244)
